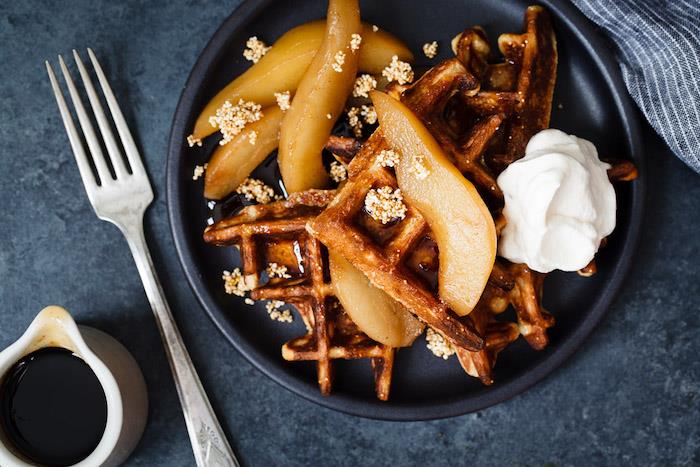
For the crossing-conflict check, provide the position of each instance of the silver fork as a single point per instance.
(122, 200)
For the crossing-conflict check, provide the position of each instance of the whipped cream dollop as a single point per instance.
(559, 203)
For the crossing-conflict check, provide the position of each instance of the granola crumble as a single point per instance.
(234, 284)
(355, 41)
(398, 71)
(249, 301)
(283, 100)
(253, 137)
(232, 119)
(385, 205)
(363, 85)
(418, 167)
(191, 141)
(388, 158)
(277, 270)
(354, 121)
(430, 49)
(255, 49)
(375, 28)
(199, 171)
(438, 345)
(369, 114)
(338, 61)
(275, 314)
(254, 189)
(338, 172)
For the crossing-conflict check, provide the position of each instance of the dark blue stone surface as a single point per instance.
(631, 396)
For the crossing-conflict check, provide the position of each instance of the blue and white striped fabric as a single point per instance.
(658, 46)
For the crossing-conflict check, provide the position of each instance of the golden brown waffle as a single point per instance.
(430, 97)
(275, 233)
(516, 285)
(401, 258)
(509, 284)
(517, 90)
(497, 335)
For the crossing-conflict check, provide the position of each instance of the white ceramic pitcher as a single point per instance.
(116, 370)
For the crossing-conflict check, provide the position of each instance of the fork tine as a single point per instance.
(132, 153)
(78, 151)
(88, 131)
(111, 144)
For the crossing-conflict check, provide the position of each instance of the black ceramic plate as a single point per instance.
(590, 101)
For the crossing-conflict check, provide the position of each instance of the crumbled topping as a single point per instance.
(338, 172)
(211, 203)
(329, 116)
(355, 41)
(199, 171)
(338, 61)
(234, 284)
(232, 119)
(418, 167)
(275, 314)
(430, 49)
(210, 221)
(354, 121)
(388, 158)
(283, 100)
(369, 114)
(398, 71)
(256, 190)
(385, 205)
(375, 28)
(253, 137)
(255, 49)
(438, 345)
(277, 270)
(249, 301)
(191, 141)
(363, 85)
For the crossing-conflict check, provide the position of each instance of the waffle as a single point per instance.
(517, 285)
(275, 232)
(482, 113)
(400, 258)
(395, 258)
(518, 90)
(497, 335)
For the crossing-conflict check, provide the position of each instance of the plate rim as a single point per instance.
(602, 55)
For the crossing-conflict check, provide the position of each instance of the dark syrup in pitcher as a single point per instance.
(53, 409)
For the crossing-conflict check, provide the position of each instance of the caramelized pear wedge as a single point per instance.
(461, 223)
(282, 68)
(234, 161)
(375, 313)
(319, 100)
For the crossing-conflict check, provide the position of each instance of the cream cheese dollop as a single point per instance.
(559, 203)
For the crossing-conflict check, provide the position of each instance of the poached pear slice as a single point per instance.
(462, 225)
(282, 68)
(371, 309)
(319, 100)
(234, 161)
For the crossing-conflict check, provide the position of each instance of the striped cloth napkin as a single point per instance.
(658, 47)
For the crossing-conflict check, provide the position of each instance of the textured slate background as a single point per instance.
(631, 396)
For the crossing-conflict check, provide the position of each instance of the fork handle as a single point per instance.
(211, 449)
